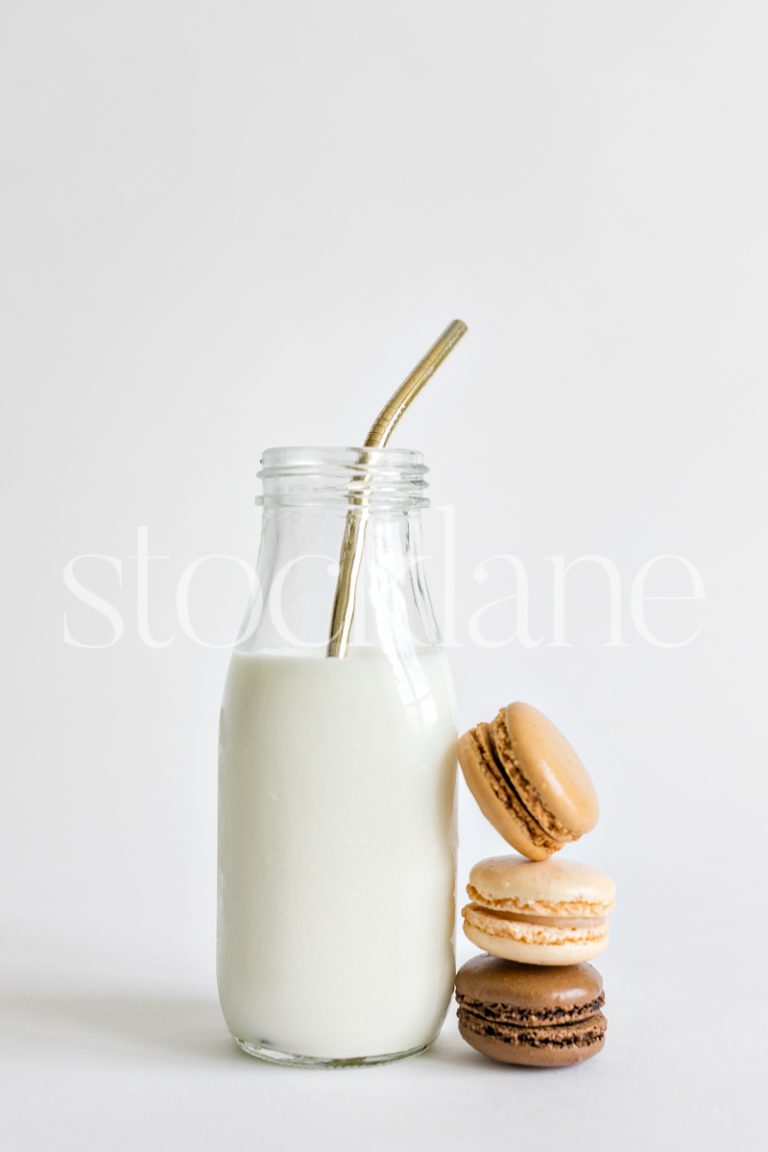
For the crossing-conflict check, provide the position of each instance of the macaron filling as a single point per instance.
(513, 792)
(539, 907)
(534, 930)
(505, 755)
(530, 1017)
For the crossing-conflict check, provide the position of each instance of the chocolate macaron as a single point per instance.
(526, 1014)
(528, 781)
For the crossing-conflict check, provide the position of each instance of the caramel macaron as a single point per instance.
(550, 912)
(523, 1014)
(528, 781)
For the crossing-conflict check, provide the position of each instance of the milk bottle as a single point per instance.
(337, 832)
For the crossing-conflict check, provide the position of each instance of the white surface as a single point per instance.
(226, 226)
(114, 1051)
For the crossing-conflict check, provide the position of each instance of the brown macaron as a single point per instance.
(528, 1014)
(528, 781)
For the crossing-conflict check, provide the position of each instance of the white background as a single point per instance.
(229, 225)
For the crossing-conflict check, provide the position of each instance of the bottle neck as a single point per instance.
(297, 575)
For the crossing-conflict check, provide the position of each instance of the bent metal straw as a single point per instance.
(353, 543)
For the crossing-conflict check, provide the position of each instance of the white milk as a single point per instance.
(337, 844)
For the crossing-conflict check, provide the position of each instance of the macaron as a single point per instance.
(525, 1014)
(549, 912)
(528, 781)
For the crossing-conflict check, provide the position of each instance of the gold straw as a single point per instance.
(382, 428)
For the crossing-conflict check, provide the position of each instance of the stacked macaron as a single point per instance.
(532, 999)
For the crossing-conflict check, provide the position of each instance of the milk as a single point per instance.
(337, 843)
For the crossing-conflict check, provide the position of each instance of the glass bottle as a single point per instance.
(337, 823)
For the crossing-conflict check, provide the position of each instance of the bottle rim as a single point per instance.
(372, 478)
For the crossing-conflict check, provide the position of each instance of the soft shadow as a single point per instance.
(449, 1048)
(125, 1024)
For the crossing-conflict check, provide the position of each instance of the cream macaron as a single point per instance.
(528, 781)
(538, 912)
